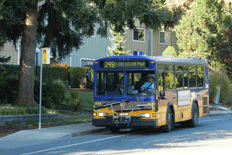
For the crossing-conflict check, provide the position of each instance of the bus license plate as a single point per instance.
(123, 114)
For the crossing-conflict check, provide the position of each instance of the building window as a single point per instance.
(85, 62)
(139, 35)
(164, 37)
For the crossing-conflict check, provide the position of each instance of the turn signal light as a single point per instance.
(154, 114)
(94, 114)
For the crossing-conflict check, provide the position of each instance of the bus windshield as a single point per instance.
(137, 83)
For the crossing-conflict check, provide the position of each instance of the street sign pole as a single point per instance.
(40, 95)
(45, 59)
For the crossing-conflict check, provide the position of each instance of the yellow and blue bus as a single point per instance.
(138, 91)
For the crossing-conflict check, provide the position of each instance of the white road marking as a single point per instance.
(98, 140)
(54, 148)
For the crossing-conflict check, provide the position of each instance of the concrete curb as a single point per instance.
(220, 113)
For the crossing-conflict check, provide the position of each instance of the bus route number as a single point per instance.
(109, 64)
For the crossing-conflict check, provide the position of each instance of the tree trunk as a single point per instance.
(27, 60)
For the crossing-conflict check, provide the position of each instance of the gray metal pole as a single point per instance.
(40, 96)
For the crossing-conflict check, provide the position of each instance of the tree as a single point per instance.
(62, 24)
(19, 19)
(205, 33)
(118, 41)
(170, 51)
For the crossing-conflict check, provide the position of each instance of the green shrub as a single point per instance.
(53, 93)
(74, 102)
(64, 65)
(89, 85)
(170, 51)
(49, 72)
(219, 79)
(11, 70)
(10, 89)
(76, 75)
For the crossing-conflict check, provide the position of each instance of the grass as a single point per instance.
(63, 119)
(87, 98)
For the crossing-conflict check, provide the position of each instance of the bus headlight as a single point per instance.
(101, 114)
(145, 115)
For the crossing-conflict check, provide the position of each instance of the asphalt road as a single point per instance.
(212, 135)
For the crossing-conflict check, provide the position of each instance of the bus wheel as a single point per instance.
(114, 129)
(169, 121)
(195, 114)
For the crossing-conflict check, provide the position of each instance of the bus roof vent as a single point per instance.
(138, 53)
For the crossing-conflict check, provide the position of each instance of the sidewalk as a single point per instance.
(35, 136)
(221, 110)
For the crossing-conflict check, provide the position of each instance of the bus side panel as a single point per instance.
(183, 109)
(170, 97)
(183, 106)
(161, 114)
(202, 98)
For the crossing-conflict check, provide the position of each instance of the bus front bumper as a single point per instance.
(134, 123)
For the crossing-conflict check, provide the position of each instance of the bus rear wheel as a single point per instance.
(169, 121)
(195, 114)
(114, 129)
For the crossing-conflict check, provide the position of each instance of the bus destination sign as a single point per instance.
(124, 64)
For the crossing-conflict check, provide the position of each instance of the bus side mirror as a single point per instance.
(162, 94)
(88, 77)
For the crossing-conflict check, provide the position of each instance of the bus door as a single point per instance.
(166, 94)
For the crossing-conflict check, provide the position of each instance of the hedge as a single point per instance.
(76, 75)
(48, 71)
(220, 79)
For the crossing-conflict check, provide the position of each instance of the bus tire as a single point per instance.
(195, 115)
(169, 121)
(114, 129)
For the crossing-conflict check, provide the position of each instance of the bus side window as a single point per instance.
(206, 75)
(179, 75)
(192, 76)
(200, 76)
(169, 82)
(186, 75)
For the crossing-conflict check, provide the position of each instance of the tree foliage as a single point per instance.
(12, 19)
(170, 51)
(118, 41)
(122, 13)
(63, 23)
(206, 32)
(5, 60)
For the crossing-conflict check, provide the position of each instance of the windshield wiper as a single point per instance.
(136, 98)
(111, 98)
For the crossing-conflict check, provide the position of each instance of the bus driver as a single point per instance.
(149, 85)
